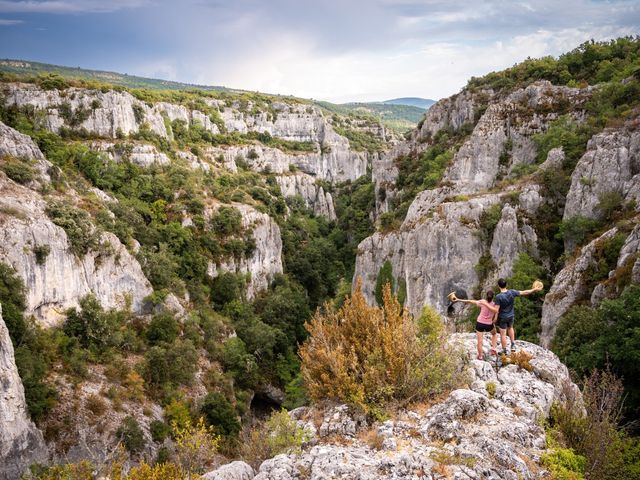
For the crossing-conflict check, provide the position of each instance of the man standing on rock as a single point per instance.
(505, 301)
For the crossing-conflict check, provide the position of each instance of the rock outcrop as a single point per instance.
(438, 246)
(143, 155)
(610, 166)
(113, 114)
(21, 443)
(265, 261)
(231, 471)
(569, 286)
(432, 257)
(314, 196)
(58, 279)
(489, 430)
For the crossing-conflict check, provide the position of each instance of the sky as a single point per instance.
(335, 50)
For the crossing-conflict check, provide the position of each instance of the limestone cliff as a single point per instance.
(490, 429)
(437, 247)
(265, 261)
(21, 443)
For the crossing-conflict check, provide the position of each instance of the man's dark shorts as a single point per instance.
(483, 327)
(504, 323)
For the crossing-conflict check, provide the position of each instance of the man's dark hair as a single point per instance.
(502, 283)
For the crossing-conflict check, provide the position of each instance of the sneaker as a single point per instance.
(480, 357)
(493, 353)
(513, 348)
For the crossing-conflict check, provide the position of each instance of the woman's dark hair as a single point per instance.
(489, 295)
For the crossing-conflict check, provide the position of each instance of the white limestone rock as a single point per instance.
(569, 286)
(497, 438)
(265, 261)
(314, 196)
(611, 165)
(21, 443)
(143, 155)
(231, 471)
(62, 279)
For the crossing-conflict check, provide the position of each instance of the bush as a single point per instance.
(82, 234)
(17, 170)
(196, 446)
(564, 464)
(41, 252)
(159, 431)
(159, 471)
(220, 414)
(279, 434)
(171, 365)
(92, 326)
(163, 328)
(131, 435)
(368, 356)
(385, 277)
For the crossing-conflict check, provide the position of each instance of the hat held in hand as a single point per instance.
(537, 285)
(452, 297)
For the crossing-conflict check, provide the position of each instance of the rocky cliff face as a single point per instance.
(437, 247)
(471, 434)
(265, 261)
(21, 443)
(313, 195)
(60, 279)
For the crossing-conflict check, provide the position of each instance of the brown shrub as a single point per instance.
(369, 356)
(96, 405)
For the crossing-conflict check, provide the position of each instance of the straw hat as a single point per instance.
(452, 297)
(537, 285)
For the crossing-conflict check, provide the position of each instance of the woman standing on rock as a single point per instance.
(486, 320)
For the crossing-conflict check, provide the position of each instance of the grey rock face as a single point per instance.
(18, 145)
(569, 286)
(108, 114)
(611, 165)
(486, 436)
(21, 443)
(437, 247)
(337, 165)
(433, 255)
(265, 261)
(143, 155)
(509, 240)
(62, 279)
(313, 195)
(231, 471)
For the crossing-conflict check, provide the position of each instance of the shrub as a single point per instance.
(385, 277)
(96, 405)
(17, 170)
(196, 446)
(491, 389)
(131, 435)
(159, 431)
(279, 434)
(564, 464)
(82, 234)
(220, 414)
(174, 365)
(368, 356)
(159, 471)
(575, 231)
(162, 328)
(520, 358)
(41, 252)
(91, 326)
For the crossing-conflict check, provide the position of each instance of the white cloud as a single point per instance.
(7, 22)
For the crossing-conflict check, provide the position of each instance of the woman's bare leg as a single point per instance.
(479, 336)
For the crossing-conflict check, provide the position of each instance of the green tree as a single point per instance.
(385, 276)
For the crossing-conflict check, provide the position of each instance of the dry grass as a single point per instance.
(372, 438)
(521, 358)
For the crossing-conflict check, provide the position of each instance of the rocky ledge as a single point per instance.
(489, 429)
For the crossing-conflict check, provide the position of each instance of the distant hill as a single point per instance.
(23, 67)
(397, 114)
(423, 103)
(398, 117)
